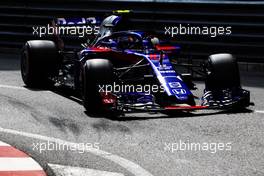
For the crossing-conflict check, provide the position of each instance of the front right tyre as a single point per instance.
(222, 85)
(222, 72)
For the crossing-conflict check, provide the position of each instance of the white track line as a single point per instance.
(258, 111)
(18, 164)
(15, 162)
(128, 165)
(77, 171)
(4, 144)
(12, 87)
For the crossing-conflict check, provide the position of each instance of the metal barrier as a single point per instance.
(246, 19)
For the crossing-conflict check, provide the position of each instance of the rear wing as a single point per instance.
(77, 27)
(71, 32)
(75, 31)
(78, 21)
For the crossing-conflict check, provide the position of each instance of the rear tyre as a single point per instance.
(222, 72)
(97, 72)
(39, 61)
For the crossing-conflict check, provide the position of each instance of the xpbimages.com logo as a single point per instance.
(79, 31)
(53, 146)
(125, 88)
(187, 29)
(212, 147)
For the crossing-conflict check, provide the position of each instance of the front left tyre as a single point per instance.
(39, 61)
(96, 73)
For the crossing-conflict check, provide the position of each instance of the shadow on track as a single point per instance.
(120, 116)
(178, 114)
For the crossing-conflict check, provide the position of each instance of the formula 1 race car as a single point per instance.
(129, 70)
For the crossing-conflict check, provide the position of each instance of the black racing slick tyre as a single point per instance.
(222, 72)
(39, 61)
(97, 73)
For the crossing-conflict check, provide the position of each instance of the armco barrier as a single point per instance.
(246, 19)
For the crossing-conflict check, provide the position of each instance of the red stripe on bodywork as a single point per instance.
(166, 48)
(99, 49)
(153, 57)
(185, 107)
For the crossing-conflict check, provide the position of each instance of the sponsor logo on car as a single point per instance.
(175, 84)
(179, 91)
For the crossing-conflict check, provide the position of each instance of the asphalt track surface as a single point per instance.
(137, 144)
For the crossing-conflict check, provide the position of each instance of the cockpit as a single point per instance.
(128, 40)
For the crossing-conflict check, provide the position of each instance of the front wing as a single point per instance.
(218, 100)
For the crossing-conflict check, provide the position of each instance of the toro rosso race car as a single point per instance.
(129, 70)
